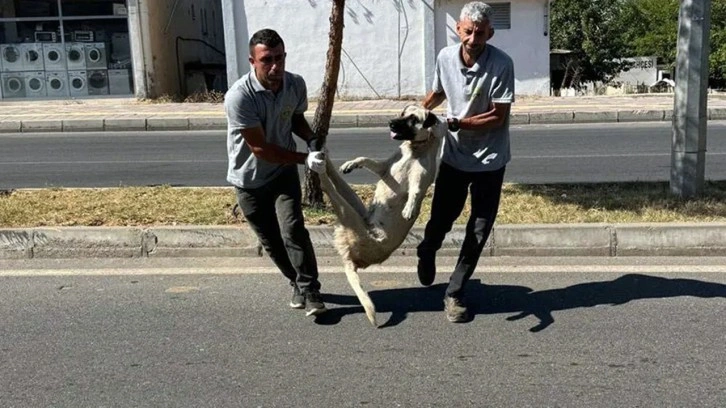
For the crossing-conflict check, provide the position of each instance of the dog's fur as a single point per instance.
(367, 236)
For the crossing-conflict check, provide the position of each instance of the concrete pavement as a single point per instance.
(115, 114)
(109, 114)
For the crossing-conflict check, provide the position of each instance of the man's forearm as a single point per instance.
(433, 100)
(490, 119)
(276, 154)
(301, 127)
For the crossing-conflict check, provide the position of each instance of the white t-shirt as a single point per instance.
(469, 91)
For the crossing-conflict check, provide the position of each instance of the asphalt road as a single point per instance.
(541, 154)
(568, 338)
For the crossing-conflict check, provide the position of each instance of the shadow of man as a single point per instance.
(622, 290)
(400, 302)
(498, 299)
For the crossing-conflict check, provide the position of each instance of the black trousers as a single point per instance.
(450, 194)
(274, 212)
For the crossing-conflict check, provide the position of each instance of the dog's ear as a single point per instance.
(430, 120)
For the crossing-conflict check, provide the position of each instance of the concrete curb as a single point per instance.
(602, 240)
(157, 123)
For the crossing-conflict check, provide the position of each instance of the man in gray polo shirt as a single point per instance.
(477, 81)
(264, 108)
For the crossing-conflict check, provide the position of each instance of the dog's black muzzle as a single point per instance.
(402, 128)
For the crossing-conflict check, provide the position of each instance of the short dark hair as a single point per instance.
(267, 37)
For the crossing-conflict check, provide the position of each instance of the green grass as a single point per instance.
(521, 204)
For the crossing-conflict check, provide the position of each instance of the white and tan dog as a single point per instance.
(367, 236)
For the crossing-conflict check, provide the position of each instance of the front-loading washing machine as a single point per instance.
(97, 82)
(35, 84)
(13, 84)
(12, 57)
(76, 56)
(54, 56)
(119, 81)
(96, 57)
(56, 83)
(32, 56)
(78, 83)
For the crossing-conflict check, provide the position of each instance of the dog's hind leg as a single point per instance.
(351, 272)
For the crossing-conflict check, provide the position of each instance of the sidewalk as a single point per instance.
(128, 114)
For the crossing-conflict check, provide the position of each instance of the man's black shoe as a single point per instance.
(298, 300)
(314, 303)
(426, 269)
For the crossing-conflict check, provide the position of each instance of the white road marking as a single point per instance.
(374, 269)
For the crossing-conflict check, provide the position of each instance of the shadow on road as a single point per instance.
(496, 299)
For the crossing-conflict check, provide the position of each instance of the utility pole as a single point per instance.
(690, 111)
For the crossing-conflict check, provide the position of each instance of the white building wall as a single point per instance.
(387, 49)
(527, 41)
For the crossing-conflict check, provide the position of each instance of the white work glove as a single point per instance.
(316, 161)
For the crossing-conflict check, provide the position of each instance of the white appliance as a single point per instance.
(78, 83)
(97, 82)
(56, 83)
(119, 81)
(54, 56)
(12, 57)
(96, 57)
(13, 84)
(35, 84)
(76, 56)
(32, 56)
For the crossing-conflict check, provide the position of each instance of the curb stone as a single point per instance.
(159, 123)
(600, 240)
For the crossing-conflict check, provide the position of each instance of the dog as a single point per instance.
(367, 236)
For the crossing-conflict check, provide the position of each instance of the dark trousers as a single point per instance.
(274, 212)
(450, 194)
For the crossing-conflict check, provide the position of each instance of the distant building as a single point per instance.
(82, 49)
(149, 48)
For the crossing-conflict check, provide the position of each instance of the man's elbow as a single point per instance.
(262, 153)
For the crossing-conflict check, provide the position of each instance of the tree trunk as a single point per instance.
(312, 193)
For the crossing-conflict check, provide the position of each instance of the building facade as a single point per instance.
(99, 48)
(149, 48)
(389, 47)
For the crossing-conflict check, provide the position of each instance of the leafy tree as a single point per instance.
(652, 29)
(717, 58)
(591, 30)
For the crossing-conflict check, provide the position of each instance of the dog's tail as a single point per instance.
(351, 272)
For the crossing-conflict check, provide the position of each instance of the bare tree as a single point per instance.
(313, 194)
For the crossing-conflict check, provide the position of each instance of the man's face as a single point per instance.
(269, 65)
(474, 36)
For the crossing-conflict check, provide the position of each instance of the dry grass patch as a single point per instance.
(521, 204)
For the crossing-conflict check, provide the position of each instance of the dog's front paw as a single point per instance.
(349, 166)
(407, 212)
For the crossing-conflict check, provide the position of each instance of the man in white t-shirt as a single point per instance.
(477, 81)
(264, 108)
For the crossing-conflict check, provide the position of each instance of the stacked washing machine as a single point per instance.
(22, 69)
(53, 69)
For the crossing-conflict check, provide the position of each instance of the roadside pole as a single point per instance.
(690, 111)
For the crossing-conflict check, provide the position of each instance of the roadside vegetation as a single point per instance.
(521, 204)
(599, 33)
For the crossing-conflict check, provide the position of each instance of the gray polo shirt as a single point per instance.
(247, 105)
(469, 91)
